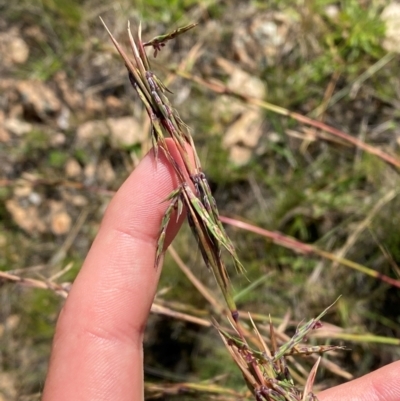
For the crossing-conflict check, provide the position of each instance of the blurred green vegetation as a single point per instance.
(317, 191)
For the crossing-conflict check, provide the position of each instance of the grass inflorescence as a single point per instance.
(264, 369)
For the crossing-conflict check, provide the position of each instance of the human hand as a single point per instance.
(97, 349)
(381, 385)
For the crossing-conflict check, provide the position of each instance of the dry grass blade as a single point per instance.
(301, 247)
(59, 289)
(219, 87)
(307, 394)
(213, 391)
(201, 288)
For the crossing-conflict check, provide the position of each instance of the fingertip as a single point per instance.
(99, 333)
(380, 385)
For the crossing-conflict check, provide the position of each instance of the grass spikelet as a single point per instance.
(265, 368)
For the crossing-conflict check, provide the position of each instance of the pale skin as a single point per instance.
(97, 351)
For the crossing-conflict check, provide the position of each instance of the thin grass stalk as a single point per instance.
(220, 88)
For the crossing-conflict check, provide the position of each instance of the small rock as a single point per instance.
(35, 198)
(105, 172)
(4, 135)
(17, 127)
(26, 218)
(8, 386)
(19, 50)
(243, 136)
(22, 189)
(38, 99)
(34, 32)
(391, 17)
(125, 131)
(244, 133)
(7, 84)
(89, 172)
(113, 103)
(73, 98)
(91, 130)
(57, 139)
(13, 321)
(332, 11)
(268, 36)
(78, 200)
(16, 108)
(60, 221)
(13, 48)
(63, 118)
(93, 105)
(72, 168)
(242, 82)
(239, 155)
